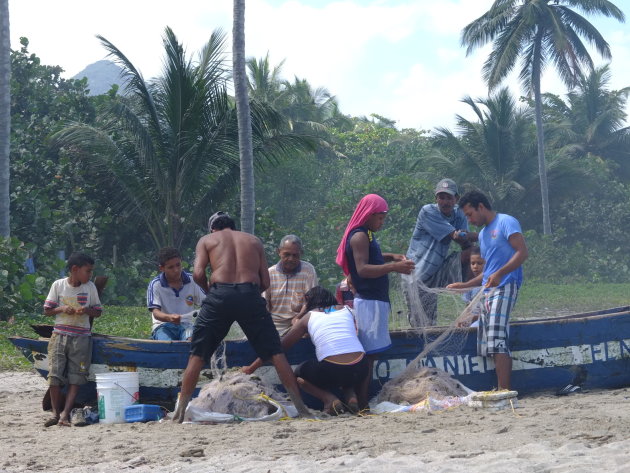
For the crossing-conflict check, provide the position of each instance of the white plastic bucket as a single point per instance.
(115, 392)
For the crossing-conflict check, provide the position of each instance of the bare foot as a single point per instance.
(64, 423)
(180, 412)
(334, 408)
(52, 421)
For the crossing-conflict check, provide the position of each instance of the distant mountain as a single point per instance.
(101, 76)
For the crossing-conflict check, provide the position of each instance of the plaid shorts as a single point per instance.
(494, 322)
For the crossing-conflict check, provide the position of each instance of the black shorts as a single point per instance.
(326, 375)
(229, 303)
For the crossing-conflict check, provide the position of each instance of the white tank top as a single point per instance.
(333, 333)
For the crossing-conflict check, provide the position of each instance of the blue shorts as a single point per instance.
(169, 331)
(372, 318)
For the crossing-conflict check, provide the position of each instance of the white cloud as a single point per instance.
(399, 59)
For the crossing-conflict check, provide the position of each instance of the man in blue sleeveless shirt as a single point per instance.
(504, 249)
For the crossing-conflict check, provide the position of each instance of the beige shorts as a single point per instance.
(69, 359)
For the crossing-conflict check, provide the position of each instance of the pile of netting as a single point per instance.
(421, 385)
(238, 394)
(418, 382)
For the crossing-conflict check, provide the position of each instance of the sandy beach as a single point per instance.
(545, 433)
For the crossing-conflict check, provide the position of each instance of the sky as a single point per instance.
(401, 59)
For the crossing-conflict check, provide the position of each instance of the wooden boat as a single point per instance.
(591, 350)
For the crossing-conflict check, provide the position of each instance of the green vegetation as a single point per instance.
(535, 300)
(154, 164)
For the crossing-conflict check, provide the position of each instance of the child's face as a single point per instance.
(476, 264)
(172, 269)
(82, 273)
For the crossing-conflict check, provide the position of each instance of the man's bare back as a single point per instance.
(234, 257)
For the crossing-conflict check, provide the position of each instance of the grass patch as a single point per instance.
(535, 300)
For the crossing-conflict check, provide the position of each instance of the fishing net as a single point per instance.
(419, 381)
(422, 384)
(237, 394)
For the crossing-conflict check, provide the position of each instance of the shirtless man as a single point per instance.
(239, 275)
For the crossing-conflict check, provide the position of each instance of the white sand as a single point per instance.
(583, 432)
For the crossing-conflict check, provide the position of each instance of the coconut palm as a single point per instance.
(590, 123)
(5, 116)
(248, 201)
(265, 82)
(496, 153)
(171, 147)
(539, 32)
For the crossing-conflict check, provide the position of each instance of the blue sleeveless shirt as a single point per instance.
(368, 288)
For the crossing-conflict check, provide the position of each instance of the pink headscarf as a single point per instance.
(369, 205)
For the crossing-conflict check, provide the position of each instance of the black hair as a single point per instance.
(475, 250)
(474, 198)
(222, 222)
(167, 253)
(319, 297)
(78, 259)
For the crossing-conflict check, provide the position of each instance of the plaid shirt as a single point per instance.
(429, 244)
(286, 290)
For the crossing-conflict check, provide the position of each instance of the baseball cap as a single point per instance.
(215, 216)
(448, 186)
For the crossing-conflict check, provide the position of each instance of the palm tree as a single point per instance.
(496, 153)
(172, 147)
(248, 200)
(265, 83)
(5, 117)
(539, 31)
(590, 123)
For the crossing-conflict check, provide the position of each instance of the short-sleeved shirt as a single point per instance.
(63, 293)
(170, 300)
(496, 248)
(429, 244)
(373, 289)
(285, 288)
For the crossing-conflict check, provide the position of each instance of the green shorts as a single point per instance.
(69, 358)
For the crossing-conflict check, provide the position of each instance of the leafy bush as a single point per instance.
(20, 292)
(553, 259)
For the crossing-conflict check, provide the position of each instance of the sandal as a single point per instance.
(64, 423)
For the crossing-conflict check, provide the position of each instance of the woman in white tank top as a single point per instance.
(341, 362)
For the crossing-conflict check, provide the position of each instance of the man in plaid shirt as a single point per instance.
(290, 279)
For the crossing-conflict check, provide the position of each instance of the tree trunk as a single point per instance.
(244, 119)
(540, 138)
(5, 117)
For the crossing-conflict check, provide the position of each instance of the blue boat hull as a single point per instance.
(591, 350)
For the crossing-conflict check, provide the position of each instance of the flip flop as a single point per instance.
(569, 389)
(64, 423)
(52, 421)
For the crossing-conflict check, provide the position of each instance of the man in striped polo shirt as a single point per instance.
(290, 279)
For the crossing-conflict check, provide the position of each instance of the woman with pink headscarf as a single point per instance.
(360, 256)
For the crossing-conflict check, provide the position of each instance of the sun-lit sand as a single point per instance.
(545, 433)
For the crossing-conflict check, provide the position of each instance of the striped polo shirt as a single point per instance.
(286, 289)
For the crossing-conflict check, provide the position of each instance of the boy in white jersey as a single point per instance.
(171, 297)
(72, 301)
